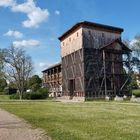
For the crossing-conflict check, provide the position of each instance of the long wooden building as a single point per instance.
(52, 79)
(92, 61)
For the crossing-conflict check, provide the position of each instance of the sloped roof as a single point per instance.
(89, 24)
(52, 66)
(117, 41)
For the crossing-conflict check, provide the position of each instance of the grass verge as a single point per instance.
(81, 121)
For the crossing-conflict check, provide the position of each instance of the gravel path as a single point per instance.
(14, 128)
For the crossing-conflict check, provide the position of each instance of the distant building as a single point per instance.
(92, 62)
(52, 79)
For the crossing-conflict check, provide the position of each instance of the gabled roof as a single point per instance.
(52, 66)
(117, 41)
(90, 24)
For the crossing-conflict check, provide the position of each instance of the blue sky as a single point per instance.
(36, 25)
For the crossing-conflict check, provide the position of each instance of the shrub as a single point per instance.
(33, 96)
(136, 92)
(14, 96)
(42, 93)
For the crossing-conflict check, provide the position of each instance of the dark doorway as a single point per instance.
(71, 87)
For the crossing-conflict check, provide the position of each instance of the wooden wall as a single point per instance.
(82, 60)
(72, 43)
(92, 69)
(52, 79)
(72, 68)
(93, 38)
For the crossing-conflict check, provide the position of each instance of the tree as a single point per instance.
(2, 57)
(135, 46)
(133, 63)
(3, 84)
(35, 82)
(12, 85)
(18, 67)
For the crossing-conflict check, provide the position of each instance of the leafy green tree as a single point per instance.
(133, 63)
(135, 57)
(2, 58)
(3, 84)
(133, 83)
(34, 82)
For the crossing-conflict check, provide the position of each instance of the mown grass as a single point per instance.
(4, 97)
(81, 121)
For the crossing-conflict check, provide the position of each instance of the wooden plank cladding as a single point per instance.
(92, 61)
(52, 79)
(72, 69)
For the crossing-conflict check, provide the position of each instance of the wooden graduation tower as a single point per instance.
(92, 61)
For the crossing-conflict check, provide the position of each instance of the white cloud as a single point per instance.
(43, 64)
(15, 34)
(57, 12)
(25, 7)
(35, 18)
(6, 3)
(35, 15)
(26, 43)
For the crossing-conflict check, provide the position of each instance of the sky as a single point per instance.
(35, 25)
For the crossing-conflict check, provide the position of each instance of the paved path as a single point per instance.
(13, 128)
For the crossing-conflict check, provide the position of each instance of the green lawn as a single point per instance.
(4, 98)
(81, 121)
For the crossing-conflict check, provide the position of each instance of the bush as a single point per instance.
(33, 96)
(14, 96)
(136, 92)
(42, 93)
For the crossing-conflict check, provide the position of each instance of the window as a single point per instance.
(103, 35)
(77, 34)
(63, 43)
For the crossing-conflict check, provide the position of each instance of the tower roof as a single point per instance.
(91, 25)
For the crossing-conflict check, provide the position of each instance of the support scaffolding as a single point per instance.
(108, 74)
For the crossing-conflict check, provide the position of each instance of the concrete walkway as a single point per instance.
(14, 128)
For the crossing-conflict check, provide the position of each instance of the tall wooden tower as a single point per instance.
(92, 61)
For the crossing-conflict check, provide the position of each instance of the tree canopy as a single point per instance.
(18, 67)
(2, 58)
(35, 82)
(135, 46)
(3, 84)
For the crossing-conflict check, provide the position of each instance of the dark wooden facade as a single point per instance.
(92, 61)
(52, 79)
(72, 71)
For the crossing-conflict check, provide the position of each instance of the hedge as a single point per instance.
(42, 93)
(136, 92)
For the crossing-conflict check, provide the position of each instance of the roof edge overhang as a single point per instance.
(90, 24)
(117, 41)
(52, 66)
